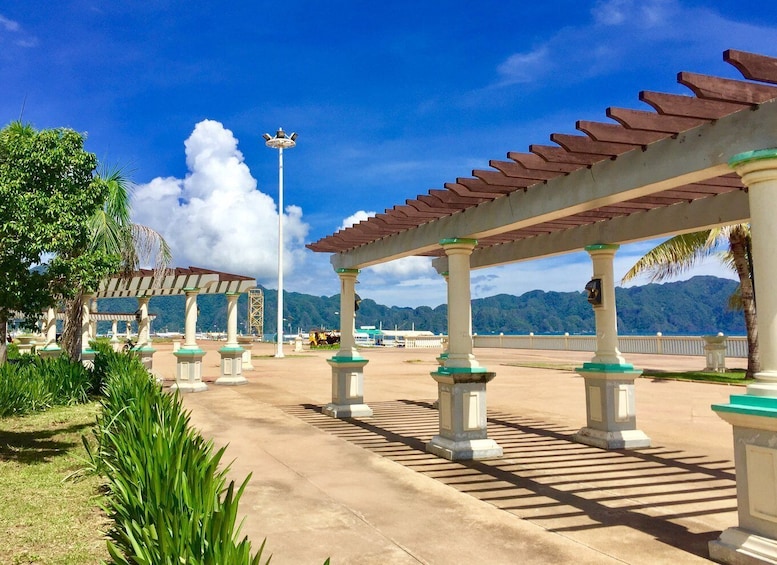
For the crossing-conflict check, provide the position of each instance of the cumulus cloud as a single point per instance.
(215, 217)
(355, 218)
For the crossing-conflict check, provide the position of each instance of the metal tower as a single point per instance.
(256, 312)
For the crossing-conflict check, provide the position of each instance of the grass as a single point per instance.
(731, 376)
(45, 518)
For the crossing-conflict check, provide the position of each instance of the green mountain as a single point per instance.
(694, 307)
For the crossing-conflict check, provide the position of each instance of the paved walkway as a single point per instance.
(364, 491)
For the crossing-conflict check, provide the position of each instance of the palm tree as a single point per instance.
(679, 253)
(114, 233)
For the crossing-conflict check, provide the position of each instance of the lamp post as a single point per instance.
(280, 142)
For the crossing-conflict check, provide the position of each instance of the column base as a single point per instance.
(347, 410)
(464, 449)
(146, 356)
(87, 358)
(188, 370)
(625, 439)
(189, 387)
(50, 353)
(347, 388)
(611, 415)
(736, 546)
(231, 366)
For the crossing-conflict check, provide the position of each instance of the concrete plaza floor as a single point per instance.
(364, 491)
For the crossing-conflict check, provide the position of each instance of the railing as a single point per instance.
(424, 341)
(657, 344)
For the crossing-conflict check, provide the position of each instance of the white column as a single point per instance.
(188, 370)
(347, 312)
(51, 329)
(143, 329)
(459, 303)
(231, 353)
(93, 324)
(347, 365)
(86, 322)
(607, 352)
(753, 416)
(760, 176)
(190, 329)
(232, 319)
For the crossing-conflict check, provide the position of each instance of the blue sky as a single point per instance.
(390, 99)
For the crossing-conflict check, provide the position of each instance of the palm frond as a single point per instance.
(675, 255)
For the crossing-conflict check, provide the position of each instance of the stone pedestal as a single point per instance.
(231, 366)
(188, 370)
(25, 344)
(146, 356)
(247, 343)
(50, 352)
(754, 419)
(87, 358)
(347, 388)
(462, 415)
(610, 407)
(715, 352)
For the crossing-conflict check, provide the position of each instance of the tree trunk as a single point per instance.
(738, 242)
(71, 334)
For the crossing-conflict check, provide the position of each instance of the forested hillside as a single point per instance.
(695, 307)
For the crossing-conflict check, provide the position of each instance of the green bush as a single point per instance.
(31, 384)
(167, 497)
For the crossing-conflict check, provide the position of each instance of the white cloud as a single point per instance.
(355, 218)
(525, 67)
(9, 25)
(631, 34)
(215, 217)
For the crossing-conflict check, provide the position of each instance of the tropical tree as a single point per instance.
(679, 253)
(112, 233)
(48, 193)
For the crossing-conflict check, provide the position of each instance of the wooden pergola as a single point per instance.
(685, 164)
(646, 173)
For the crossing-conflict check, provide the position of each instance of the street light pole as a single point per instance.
(280, 142)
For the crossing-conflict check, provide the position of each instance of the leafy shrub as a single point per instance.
(169, 500)
(31, 384)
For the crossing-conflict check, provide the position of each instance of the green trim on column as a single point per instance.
(757, 155)
(601, 246)
(189, 352)
(453, 240)
(191, 289)
(444, 274)
(340, 359)
(232, 293)
(343, 271)
(764, 406)
(461, 370)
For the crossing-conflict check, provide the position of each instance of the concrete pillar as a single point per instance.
(188, 373)
(87, 353)
(50, 348)
(609, 380)
(231, 353)
(93, 321)
(115, 344)
(247, 343)
(143, 348)
(754, 415)
(461, 381)
(441, 264)
(347, 365)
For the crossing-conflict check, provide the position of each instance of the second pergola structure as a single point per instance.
(189, 282)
